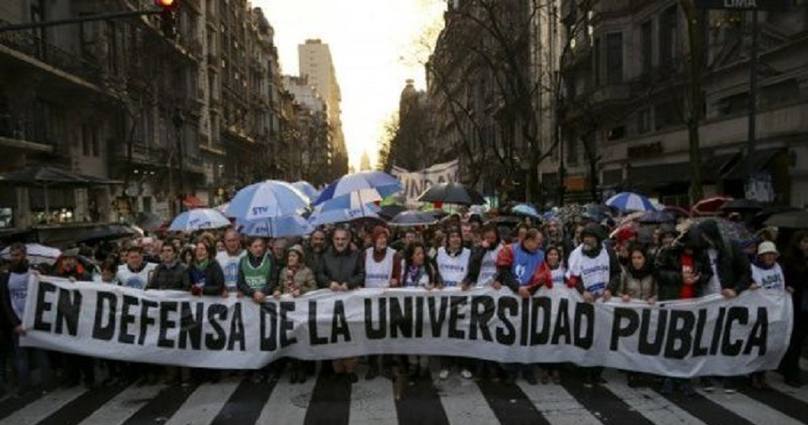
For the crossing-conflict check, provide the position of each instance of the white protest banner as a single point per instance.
(708, 336)
(417, 182)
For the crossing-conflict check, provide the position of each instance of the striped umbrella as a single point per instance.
(628, 201)
(370, 186)
(198, 219)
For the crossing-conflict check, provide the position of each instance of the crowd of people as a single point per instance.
(461, 251)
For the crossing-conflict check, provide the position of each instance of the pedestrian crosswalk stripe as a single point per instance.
(82, 406)
(650, 404)
(330, 401)
(44, 406)
(776, 382)
(606, 406)
(782, 402)
(123, 406)
(706, 410)
(163, 406)
(288, 403)
(372, 402)
(463, 402)
(204, 404)
(749, 408)
(510, 404)
(245, 404)
(557, 405)
(420, 404)
(12, 404)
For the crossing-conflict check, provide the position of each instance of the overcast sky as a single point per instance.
(368, 39)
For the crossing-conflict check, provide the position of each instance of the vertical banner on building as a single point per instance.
(416, 182)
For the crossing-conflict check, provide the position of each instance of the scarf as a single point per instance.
(202, 265)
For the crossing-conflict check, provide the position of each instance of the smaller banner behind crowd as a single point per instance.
(416, 182)
(708, 336)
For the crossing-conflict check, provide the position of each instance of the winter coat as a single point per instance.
(341, 267)
(669, 272)
(637, 286)
(174, 278)
(732, 265)
(302, 278)
(214, 277)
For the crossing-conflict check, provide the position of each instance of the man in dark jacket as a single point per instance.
(342, 269)
(315, 249)
(13, 294)
(731, 270)
(171, 273)
(684, 263)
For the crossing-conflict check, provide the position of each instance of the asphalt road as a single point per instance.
(326, 400)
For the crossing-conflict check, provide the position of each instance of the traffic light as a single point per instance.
(168, 20)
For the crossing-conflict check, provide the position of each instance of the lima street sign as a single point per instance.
(744, 4)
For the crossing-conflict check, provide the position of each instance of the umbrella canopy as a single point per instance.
(276, 227)
(742, 205)
(414, 218)
(676, 211)
(109, 232)
(222, 208)
(307, 189)
(198, 219)
(452, 193)
(271, 198)
(149, 222)
(390, 211)
(371, 186)
(657, 217)
(709, 206)
(36, 254)
(526, 209)
(731, 230)
(628, 201)
(321, 217)
(791, 220)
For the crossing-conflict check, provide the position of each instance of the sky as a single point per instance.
(375, 44)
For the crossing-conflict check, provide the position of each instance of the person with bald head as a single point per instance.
(230, 258)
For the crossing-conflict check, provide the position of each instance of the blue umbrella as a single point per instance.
(370, 186)
(320, 216)
(628, 201)
(526, 209)
(414, 218)
(276, 227)
(271, 198)
(198, 219)
(307, 189)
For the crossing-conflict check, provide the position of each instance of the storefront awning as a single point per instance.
(760, 161)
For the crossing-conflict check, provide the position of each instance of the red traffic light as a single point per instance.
(167, 4)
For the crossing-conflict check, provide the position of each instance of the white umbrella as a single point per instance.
(199, 219)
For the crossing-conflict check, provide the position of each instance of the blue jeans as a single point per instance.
(22, 363)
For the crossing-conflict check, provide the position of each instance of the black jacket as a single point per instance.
(8, 318)
(346, 267)
(669, 272)
(165, 277)
(734, 270)
(214, 278)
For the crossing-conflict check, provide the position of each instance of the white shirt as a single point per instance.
(594, 272)
(135, 280)
(229, 264)
(558, 274)
(488, 267)
(453, 269)
(714, 285)
(379, 274)
(772, 278)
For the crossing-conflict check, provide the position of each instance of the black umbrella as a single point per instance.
(108, 232)
(452, 193)
(390, 211)
(742, 205)
(414, 218)
(149, 222)
(791, 220)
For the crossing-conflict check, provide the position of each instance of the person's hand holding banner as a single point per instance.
(729, 293)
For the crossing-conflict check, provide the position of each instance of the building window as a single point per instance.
(780, 93)
(616, 133)
(644, 121)
(89, 141)
(646, 35)
(614, 58)
(668, 113)
(572, 150)
(668, 32)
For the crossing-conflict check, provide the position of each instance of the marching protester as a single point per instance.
(552, 273)
(315, 248)
(417, 271)
(593, 268)
(341, 269)
(795, 269)
(453, 264)
(296, 279)
(205, 274)
(382, 269)
(230, 258)
(767, 275)
(14, 286)
(170, 274)
(135, 272)
(518, 265)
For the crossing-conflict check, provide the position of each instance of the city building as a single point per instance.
(315, 63)
(310, 133)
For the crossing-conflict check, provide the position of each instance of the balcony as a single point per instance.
(36, 51)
